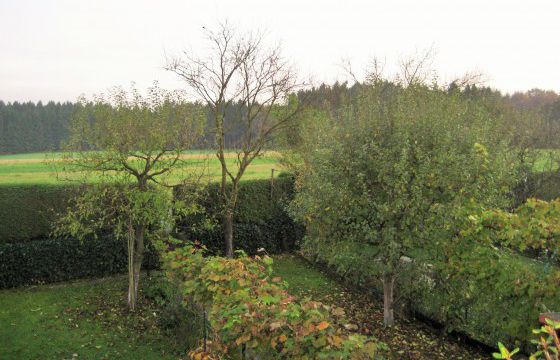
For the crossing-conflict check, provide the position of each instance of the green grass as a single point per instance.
(304, 279)
(79, 320)
(35, 169)
(87, 319)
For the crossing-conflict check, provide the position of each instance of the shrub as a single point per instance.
(62, 259)
(260, 222)
(250, 312)
(533, 228)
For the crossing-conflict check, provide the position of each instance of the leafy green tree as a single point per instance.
(381, 182)
(128, 145)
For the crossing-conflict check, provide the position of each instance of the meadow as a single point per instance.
(44, 168)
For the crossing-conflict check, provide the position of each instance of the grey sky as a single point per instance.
(57, 50)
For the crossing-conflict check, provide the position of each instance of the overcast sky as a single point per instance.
(57, 50)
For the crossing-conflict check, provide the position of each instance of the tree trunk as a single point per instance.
(228, 233)
(135, 257)
(388, 288)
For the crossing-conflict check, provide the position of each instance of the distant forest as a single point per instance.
(37, 127)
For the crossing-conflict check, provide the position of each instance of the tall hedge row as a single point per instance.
(29, 256)
(27, 211)
(51, 260)
(260, 221)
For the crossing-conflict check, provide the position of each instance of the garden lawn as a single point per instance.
(88, 319)
(85, 319)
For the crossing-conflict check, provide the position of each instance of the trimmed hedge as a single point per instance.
(29, 256)
(260, 220)
(52, 260)
(27, 211)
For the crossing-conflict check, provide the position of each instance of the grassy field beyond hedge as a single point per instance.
(34, 168)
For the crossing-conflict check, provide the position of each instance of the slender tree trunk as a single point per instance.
(130, 249)
(135, 257)
(388, 289)
(228, 233)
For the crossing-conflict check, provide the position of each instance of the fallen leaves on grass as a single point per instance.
(408, 339)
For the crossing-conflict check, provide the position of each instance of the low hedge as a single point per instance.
(52, 260)
(260, 221)
(28, 211)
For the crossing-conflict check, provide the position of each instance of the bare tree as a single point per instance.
(470, 78)
(416, 69)
(243, 81)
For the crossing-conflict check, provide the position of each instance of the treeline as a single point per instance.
(33, 127)
(540, 108)
(36, 127)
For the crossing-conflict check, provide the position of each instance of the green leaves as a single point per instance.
(504, 353)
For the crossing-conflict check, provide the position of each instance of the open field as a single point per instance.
(40, 168)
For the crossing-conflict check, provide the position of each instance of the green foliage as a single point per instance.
(251, 312)
(28, 211)
(118, 209)
(534, 226)
(504, 353)
(130, 136)
(27, 215)
(397, 178)
(261, 220)
(183, 323)
(484, 257)
(60, 259)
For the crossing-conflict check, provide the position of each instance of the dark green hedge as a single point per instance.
(28, 211)
(52, 260)
(261, 219)
(29, 256)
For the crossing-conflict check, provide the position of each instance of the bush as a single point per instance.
(251, 312)
(27, 211)
(260, 221)
(52, 260)
(548, 344)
